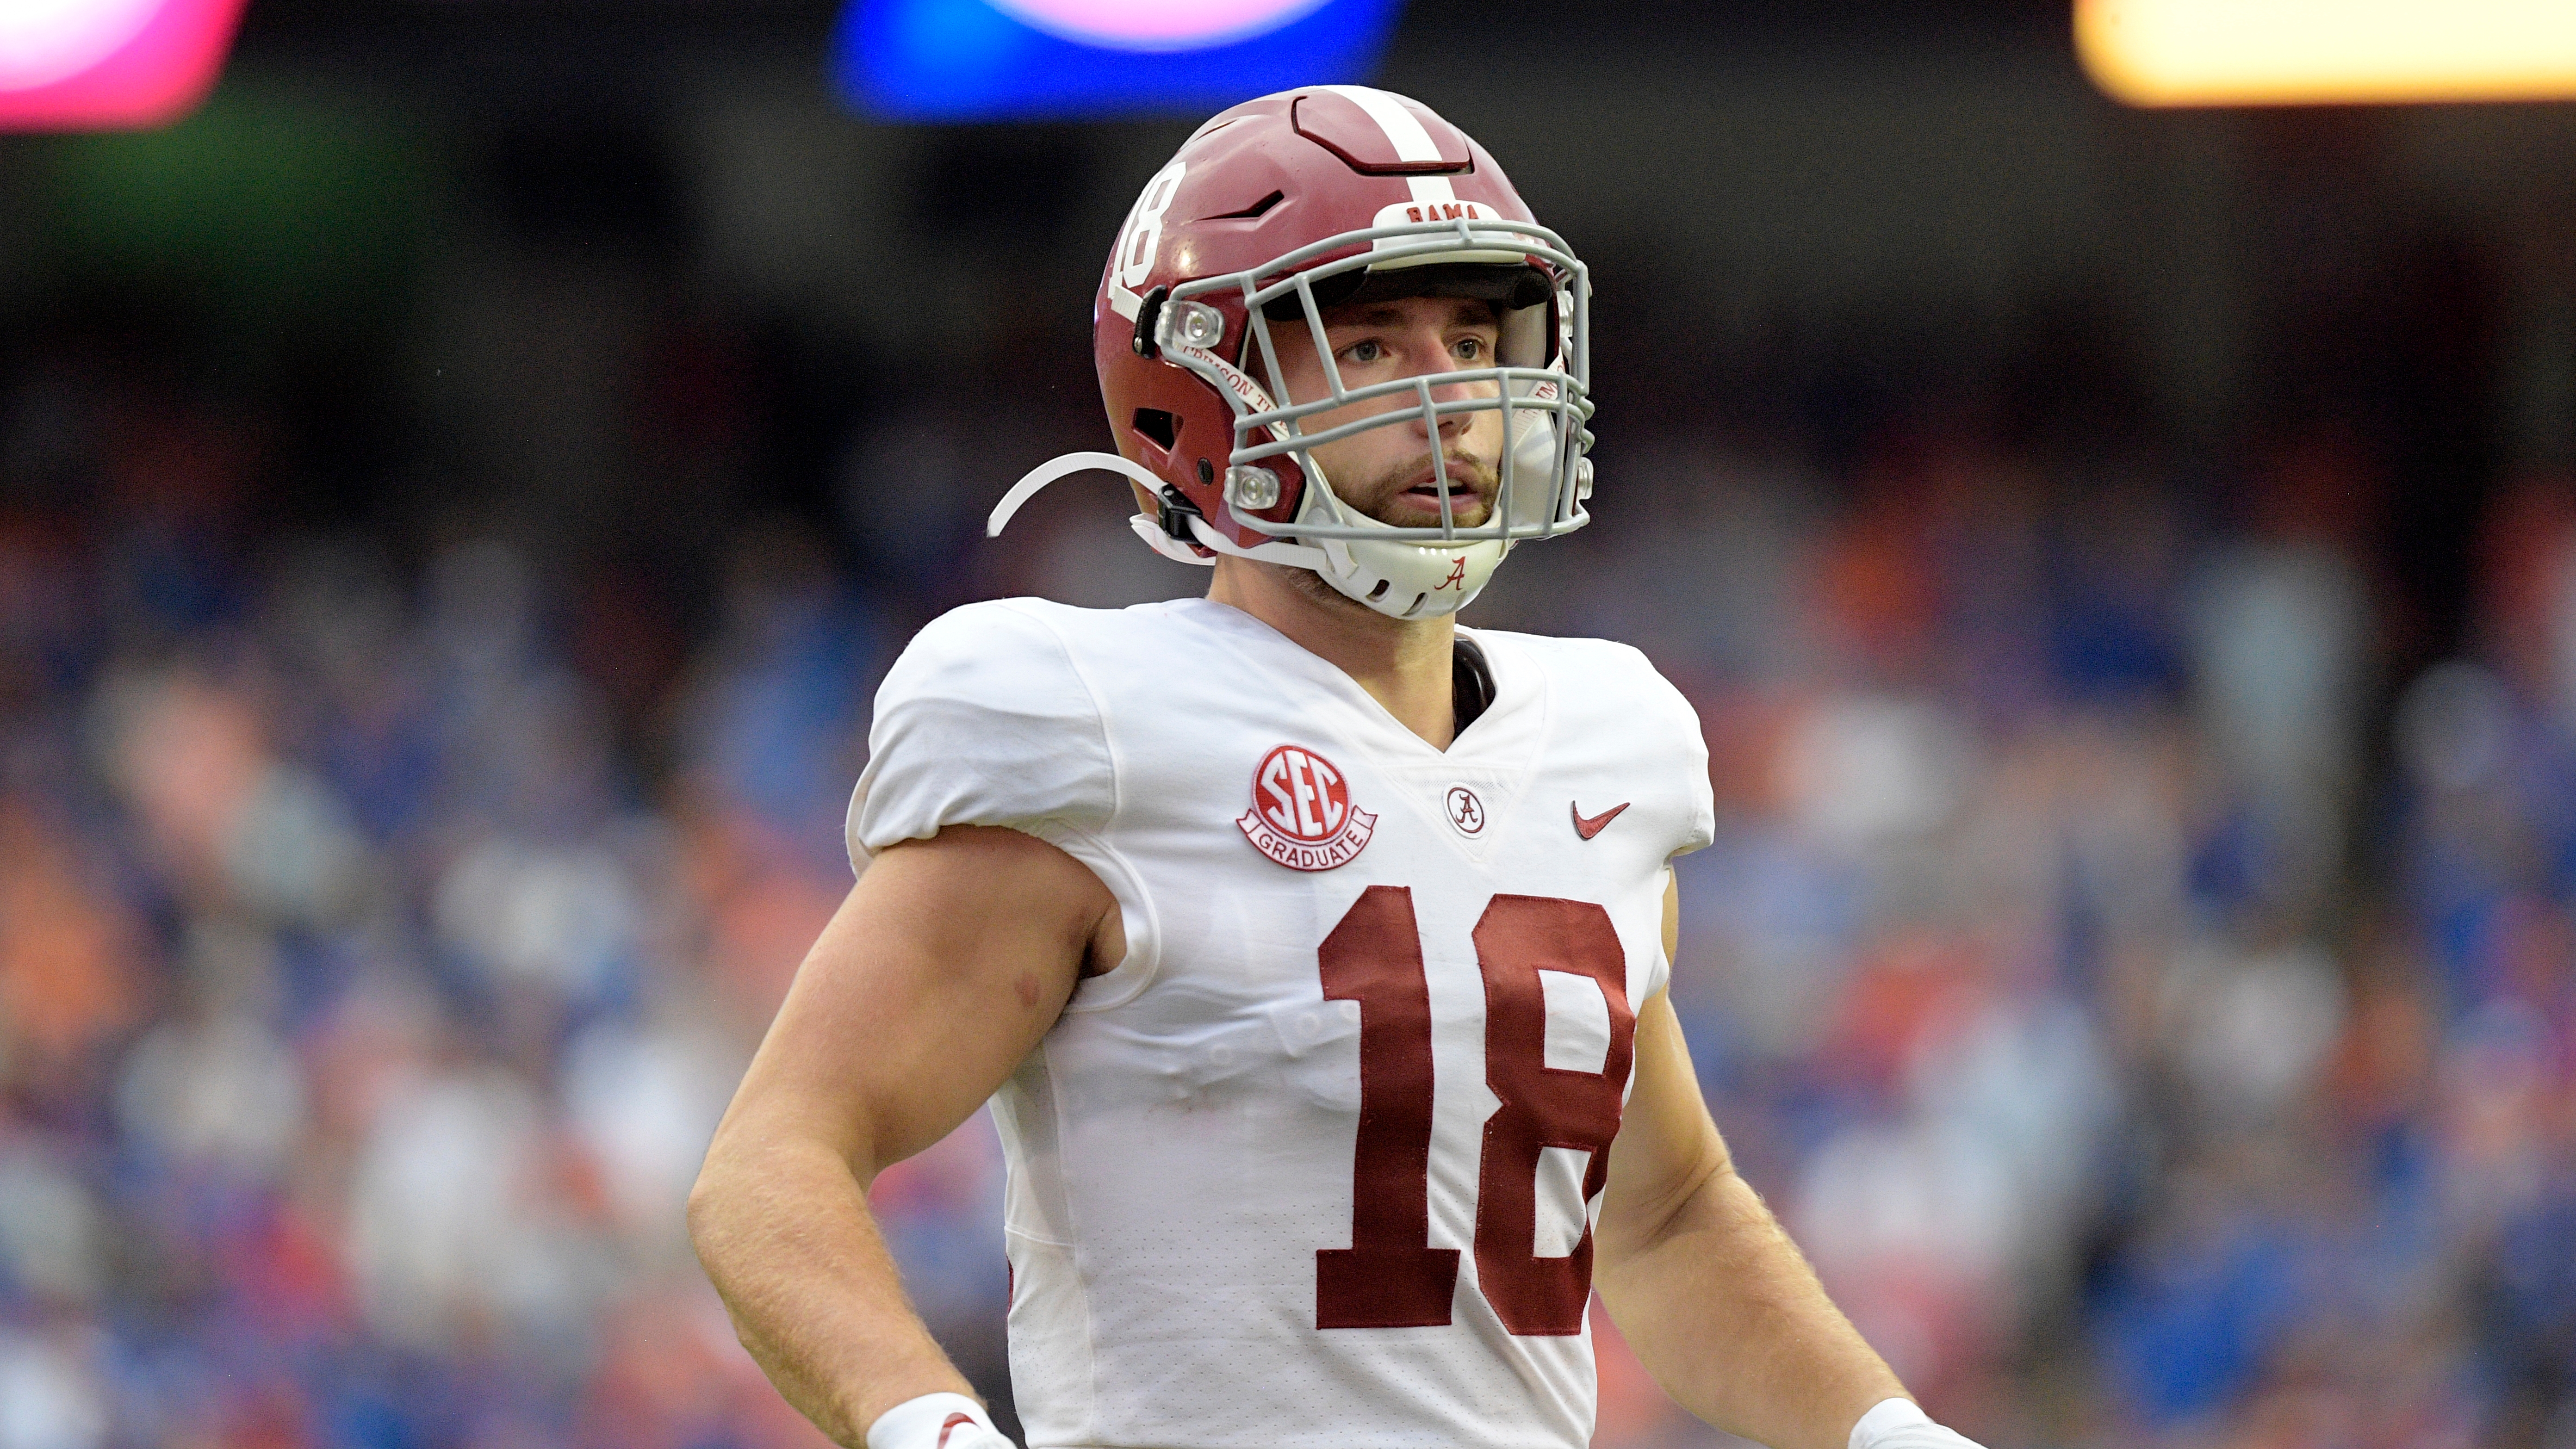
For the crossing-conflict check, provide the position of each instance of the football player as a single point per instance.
(1311, 949)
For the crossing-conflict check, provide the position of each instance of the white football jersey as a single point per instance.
(1314, 1167)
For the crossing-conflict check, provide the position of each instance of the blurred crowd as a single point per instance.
(2149, 998)
(2154, 1020)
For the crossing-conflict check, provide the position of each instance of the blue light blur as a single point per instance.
(964, 60)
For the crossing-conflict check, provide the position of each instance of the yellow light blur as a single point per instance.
(2287, 52)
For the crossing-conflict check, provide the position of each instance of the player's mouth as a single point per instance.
(1468, 493)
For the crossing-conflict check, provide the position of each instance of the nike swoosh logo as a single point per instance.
(1588, 828)
(950, 1428)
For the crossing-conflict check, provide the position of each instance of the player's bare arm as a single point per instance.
(1718, 1303)
(948, 960)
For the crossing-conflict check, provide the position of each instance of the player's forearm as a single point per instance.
(784, 1231)
(1725, 1313)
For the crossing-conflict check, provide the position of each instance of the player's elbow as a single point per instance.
(762, 1169)
(718, 1231)
(725, 1194)
(711, 1200)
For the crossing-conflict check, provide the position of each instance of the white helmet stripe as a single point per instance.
(1403, 129)
(1405, 133)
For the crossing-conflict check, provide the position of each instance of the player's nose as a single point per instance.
(1452, 425)
(1428, 356)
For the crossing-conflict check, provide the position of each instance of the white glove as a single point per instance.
(1894, 1424)
(937, 1421)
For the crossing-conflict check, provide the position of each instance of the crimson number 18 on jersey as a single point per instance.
(1390, 1276)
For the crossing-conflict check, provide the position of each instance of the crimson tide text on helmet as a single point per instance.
(1271, 212)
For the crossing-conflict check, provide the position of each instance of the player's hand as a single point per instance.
(937, 1421)
(1901, 1424)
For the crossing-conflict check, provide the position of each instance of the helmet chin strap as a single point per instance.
(1294, 555)
(1166, 545)
(1342, 567)
(1059, 467)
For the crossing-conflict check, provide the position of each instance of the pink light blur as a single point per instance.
(78, 65)
(1156, 24)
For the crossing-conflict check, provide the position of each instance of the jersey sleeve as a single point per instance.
(984, 720)
(1669, 734)
(1674, 732)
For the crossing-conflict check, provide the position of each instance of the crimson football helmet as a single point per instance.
(1269, 213)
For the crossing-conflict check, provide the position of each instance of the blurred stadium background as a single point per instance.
(459, 489)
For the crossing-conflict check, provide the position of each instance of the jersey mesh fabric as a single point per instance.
(1181, 1145)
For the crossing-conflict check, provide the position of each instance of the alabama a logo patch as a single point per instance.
(1302, 815)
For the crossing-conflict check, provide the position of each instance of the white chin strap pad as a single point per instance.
(1398, 579)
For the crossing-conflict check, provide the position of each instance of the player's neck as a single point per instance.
(1404, 664)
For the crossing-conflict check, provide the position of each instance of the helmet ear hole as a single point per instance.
(1157, 427)
(1528, 336)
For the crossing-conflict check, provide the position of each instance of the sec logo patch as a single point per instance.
(1302, 815)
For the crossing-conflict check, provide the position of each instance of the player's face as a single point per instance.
(1386, 472)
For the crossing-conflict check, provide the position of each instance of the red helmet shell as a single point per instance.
(1254, 184)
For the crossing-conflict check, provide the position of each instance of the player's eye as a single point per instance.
(1470, 348)
(1364, 351)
